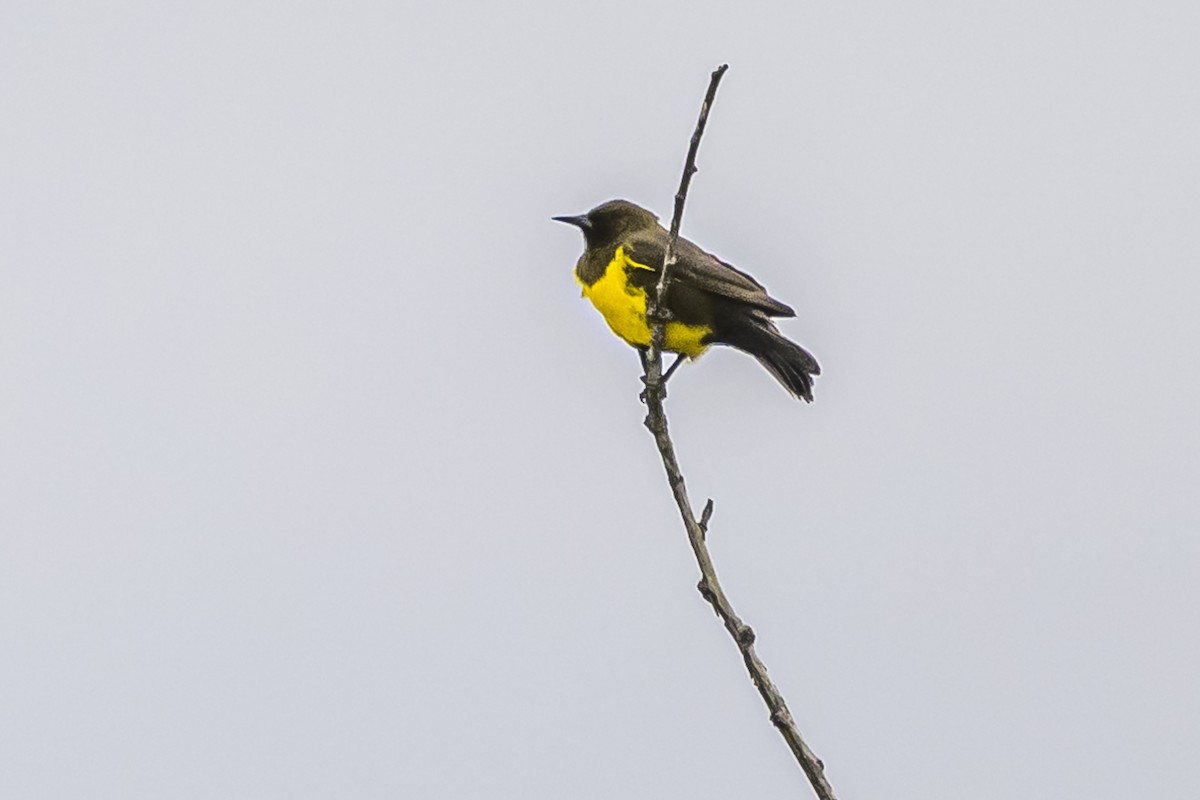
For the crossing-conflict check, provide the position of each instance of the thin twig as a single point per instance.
(656, 313)
(656, 422)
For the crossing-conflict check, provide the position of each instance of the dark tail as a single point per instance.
(791, 364)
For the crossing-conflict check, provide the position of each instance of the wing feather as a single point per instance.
(705, 271)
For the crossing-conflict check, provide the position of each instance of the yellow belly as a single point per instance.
(624, 309)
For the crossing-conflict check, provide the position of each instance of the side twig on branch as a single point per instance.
(656, 422)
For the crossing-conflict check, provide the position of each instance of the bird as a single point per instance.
(708, 302)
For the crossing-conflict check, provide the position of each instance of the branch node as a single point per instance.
(745, 636)
(705, 516)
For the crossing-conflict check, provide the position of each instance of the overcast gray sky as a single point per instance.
(318, 479)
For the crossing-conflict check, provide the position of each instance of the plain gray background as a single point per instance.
(318, 479)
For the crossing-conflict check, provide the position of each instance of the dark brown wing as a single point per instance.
(704, 271)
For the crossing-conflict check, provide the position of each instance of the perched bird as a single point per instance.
(709, 301)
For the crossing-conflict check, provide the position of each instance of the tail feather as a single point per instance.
(792, 365)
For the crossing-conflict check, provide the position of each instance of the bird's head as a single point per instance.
(612, 221)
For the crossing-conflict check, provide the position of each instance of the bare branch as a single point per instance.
(655, 312)
(656, 422)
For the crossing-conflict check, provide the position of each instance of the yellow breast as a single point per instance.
(624, 309)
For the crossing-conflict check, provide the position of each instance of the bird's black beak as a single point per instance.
(581, 221)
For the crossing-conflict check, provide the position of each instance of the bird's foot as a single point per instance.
(645, 393)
